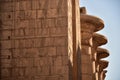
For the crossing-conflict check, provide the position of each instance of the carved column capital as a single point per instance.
(99, 39)
(89, 25)
(103, 64)
(92, 22)
(103, 74)
(102, 53)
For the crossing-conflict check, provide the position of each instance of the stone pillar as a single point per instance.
(102, 53)
(98, 53)
(91, 65)
(102, 65)
(36, 39)
(89, 25)
(103, 74)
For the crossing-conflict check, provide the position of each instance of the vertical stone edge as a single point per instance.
(70, 40)
(76, 37)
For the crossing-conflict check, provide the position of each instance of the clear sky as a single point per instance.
(109, 11)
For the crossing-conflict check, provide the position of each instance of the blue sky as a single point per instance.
(109, 11)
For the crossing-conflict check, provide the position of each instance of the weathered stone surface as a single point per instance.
(102, 53)
(99, 39)
(90, 53)
(95, 22)
(103, 64)
(43, 40)
(33, 40)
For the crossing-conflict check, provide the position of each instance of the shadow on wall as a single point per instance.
(0, 47)
(79, 63)
(78, 59)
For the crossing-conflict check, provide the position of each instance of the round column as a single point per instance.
(89, 25)
(98, 40)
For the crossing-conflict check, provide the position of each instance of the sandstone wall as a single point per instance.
(36, 39)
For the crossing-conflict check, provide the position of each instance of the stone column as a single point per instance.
(98, 40)
(102, 65)
(89, 25)
(102, 53)
(36, 39)
(103, 74)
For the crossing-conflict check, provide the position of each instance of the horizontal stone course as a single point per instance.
(34, 40)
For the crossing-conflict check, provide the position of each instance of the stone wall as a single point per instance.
(36, 39)
(43, 40)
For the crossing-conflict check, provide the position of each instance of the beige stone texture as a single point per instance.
(91, 53)
(50, 40)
